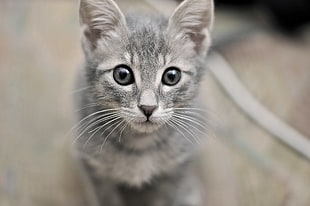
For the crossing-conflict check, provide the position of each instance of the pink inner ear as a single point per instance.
(193, 19)
(198, 39)
(102, 17)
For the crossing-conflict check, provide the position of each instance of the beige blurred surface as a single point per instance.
(244, 165)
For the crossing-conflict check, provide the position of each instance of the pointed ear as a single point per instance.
(193, 20)
(102, 19)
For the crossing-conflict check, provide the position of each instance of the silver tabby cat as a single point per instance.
(138, 123)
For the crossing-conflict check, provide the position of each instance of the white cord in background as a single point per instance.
(243, 98)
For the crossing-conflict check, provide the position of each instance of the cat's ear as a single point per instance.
(193, 20)
(101, 19)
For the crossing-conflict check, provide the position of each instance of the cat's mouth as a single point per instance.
(148, 123)
(146, 126)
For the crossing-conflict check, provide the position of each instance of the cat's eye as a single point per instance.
(123, 75)
(171, 76)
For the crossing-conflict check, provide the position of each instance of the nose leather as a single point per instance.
(147, 110)
(147, 102)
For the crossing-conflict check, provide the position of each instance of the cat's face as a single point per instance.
(145, 69)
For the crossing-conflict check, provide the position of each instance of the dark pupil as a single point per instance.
(123, 73)
(171, 75)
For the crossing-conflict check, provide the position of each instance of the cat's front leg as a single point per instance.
(106, 193)
(182, 188)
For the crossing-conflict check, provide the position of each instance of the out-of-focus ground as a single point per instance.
(244, 165)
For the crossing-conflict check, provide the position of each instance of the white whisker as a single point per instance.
(186, 129)
(190, 109)
(90, 115)
(201, 113)
(94, 131)
(102, 145)
(92, 122)
(89, 138)
(192, 126)
(190, 119)
(172, 124)
(111, 125)
(84, 128)
(109, 118)
(121, 131)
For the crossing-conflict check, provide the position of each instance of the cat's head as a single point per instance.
(145, 67)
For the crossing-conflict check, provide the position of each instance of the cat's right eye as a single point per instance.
(123, 75)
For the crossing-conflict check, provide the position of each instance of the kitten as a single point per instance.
(138, 122)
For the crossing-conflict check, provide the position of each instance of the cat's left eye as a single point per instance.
(171, 76)
(123, 75)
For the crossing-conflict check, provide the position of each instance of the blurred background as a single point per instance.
(265, 43)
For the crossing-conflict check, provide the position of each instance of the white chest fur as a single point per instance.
(135, 169)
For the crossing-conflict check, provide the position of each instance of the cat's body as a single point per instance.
(139, 124)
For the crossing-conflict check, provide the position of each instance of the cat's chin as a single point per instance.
(145, 127)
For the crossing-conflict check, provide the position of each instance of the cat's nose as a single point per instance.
(147, 109)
